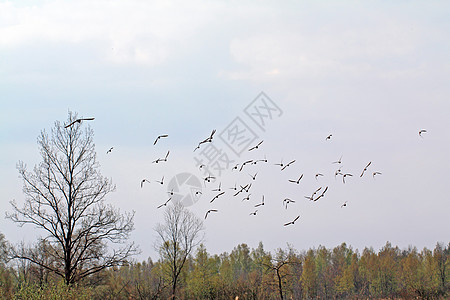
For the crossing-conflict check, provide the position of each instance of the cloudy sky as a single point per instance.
(371, 73)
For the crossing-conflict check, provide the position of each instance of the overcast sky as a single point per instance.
(371, 73)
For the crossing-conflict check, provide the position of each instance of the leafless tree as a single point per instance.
(178, 237)
(65, 198)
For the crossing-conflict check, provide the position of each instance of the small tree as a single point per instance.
(65, 197)
(178, 237)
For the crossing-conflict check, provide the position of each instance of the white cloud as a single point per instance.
(133, 31)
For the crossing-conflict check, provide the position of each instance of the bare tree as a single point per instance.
(65, 198)
(178, 237)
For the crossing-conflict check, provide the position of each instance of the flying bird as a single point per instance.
(162, 181)
(160, 136)
(210, 211)
(79, 121)
(165, 203)
(422, 131)
(288, 164)
(245, 163)
(247, 198)
(262, 202)
(216, 196)
(287, 201)
(338, 161)
(296, 181)
(253, 176)
(365, 169)
(292, 222)
(262, 160)
(318, 174)
(207, 140)
(321, 195)
(345, 204)
(162, 159)
(254, 213)
(110, 149)
(218, 189)
(345, 175)
(142, 182)
(255, 147)
(328, 137)
(375, 173)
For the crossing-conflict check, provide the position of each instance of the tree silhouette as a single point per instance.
(65, 198)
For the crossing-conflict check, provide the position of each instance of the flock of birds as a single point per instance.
(245, 189)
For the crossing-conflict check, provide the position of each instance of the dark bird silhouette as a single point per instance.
(165, 203)
(253, 176)
(245, 163)
(234, 188)
(286, 201)
(235, 167)
(338, 161)
(207, 140)
(110, 149)
(292, 222)
(210, 211)
(345, 204)
(218, 189)
(345, 175)
(375, 173)
(162, 159)
(160, 136)
(208, 179)
(216, 196)
(79, 121)
(318, 174)
(328, 137)
(262, 202)
(254, 213)
(296, 181)
(170, 192)
(288, 164)
(321, 195)
(162, 181)
(312, 196)
(142, 182)
(201, 166)
(422, 131)
(247, 198)
(255, 147)
(280, 164)
(365, 169)
(260, 160)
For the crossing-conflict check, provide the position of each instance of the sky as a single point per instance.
(370, 73)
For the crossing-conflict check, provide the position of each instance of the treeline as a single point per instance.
(247, 273)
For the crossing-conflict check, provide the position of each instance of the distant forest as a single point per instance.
(245, 273)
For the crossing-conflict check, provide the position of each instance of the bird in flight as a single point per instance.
(79, 121)
(292, 222)
(422, 131)
(312, 196)
(247, 198)
(165, 203)
(162, 159)
(245, 163)
(254, 213)
(208, 179)
(328, 137)
(288, 164)
(321, 195)
(338, 161)
(110, 149)
(216, 196)
(262, 160)
(218, 189)
(280, 164)
(253, 176)
(160, 136)
(345, 204)
(375, 173)
(142, 182)
(210, 211)
(235, 167)
(287, 201)
(345, 175)
(365, 169)
(262, 202)
(318, 174)
(162, 181)
(296, 181)
(207, 140)
(255, 147)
